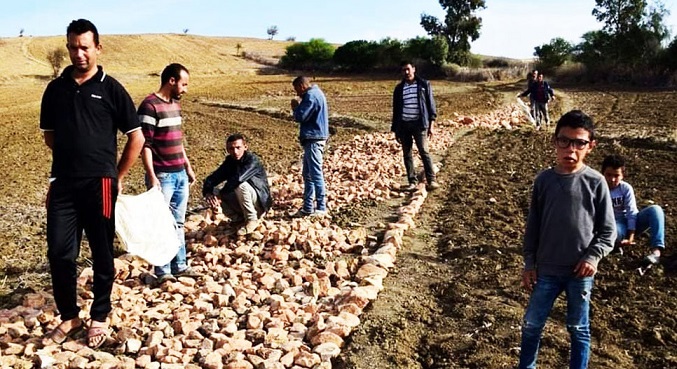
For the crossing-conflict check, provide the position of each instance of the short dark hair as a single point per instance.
(576, 119)
(172, 70)
(407, 62)
(81, 26)
(613, 161)
(236, 136)
(301, 81)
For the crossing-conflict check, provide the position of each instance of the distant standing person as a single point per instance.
(80, 114)
(165, 160)
(630, 220)
(532, 77)
(570, 228)
(312, 114)
(245, 196)
(414, 115)
(541, 93)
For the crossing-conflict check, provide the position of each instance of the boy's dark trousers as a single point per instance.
(410, 133)
(74, 205)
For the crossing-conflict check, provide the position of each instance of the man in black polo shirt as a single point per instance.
(81, 112)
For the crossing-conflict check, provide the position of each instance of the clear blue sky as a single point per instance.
(510, 28)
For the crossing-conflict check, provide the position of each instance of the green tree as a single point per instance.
(357, 55)
(272, 32)
(391, 53)
(632, 36)
(56, 58)
(553, 54)
(619, 16)
(314, 54)
(460, 27)
(432, 50)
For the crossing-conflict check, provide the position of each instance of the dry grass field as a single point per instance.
(453, 301)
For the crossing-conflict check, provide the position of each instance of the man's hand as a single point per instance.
(294, 103)
(213, 201)
(627, 242)
(430, 130)
(121, 179)
(191, 176)
(154, 182)
(397, 138)
(529, 278)
(584, 269)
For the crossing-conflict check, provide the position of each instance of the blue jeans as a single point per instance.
(578, 293)
(408, 134)
(650, 219)
(174, 187)
(314, 192)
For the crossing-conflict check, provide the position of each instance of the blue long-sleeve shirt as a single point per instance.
(313, 115)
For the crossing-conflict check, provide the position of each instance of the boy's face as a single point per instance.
(613, 176)
(572, 145)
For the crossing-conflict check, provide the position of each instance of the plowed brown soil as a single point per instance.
(454, 299)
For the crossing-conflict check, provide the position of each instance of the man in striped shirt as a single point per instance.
(414, 115)
(165, 160)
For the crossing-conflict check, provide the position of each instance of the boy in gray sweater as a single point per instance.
(570, 228)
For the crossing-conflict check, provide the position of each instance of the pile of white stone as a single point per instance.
(286, 296)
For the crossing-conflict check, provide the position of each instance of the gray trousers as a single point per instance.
(242, 203)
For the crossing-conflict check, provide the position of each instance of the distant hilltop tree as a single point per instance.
(56, 58)
(459, 27)
(185, 31)
(291, 38)
(238, 47)
(21, 32)
(272, 32)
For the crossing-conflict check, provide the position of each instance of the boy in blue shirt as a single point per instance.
(570, 228)
(629, 220)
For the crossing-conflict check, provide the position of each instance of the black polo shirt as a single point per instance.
(85, 120)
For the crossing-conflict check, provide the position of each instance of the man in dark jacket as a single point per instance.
(414, 115)
(540, 93)
(245, 195)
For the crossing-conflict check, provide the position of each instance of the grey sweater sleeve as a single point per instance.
(605, 227)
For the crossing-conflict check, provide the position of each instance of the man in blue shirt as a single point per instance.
(312, 114)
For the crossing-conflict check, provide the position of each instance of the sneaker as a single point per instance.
(189, 272)
(301, 214)
(248, 228)
(320, 214)
(617, 250)
(652, 259)
(409, 187)
(433, 185)
(165, 277)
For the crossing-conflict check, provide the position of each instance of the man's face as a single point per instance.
(572, 146)
(82, 51)
(300, 89)
(540, 78)
(409, 71)
(179, 87)
(236, 149)
(613, 176)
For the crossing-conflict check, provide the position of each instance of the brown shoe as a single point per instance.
(433, 185)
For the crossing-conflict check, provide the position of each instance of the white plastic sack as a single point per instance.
(145, 225)
(526, 110)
